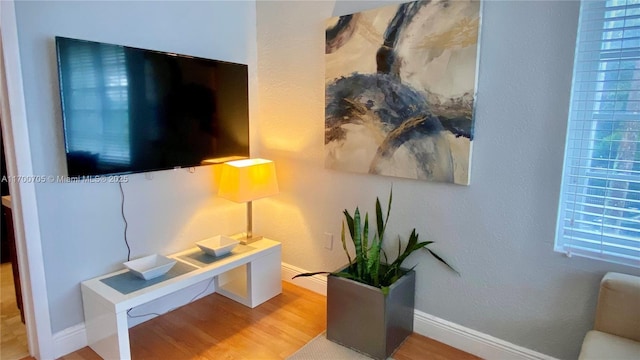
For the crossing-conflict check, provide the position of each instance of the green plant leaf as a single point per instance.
(382, 224)
(365, 237)
(374, 261)
(344, 245)
(413, 240)
(385, 290)
(311, 274)
(388, 208)
(379, 221)
(412, 246)
(389, 275)
(349, 222)
(442, 260)
(357, 241)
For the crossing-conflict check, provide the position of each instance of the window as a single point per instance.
(599, 213)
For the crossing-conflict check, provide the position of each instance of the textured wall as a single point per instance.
(499, 231)
(81, 225)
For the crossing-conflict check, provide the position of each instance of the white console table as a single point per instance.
(249, 275)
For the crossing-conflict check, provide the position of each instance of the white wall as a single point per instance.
(499, 231)
(81, 225)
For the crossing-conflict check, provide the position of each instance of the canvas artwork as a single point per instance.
(400, 89)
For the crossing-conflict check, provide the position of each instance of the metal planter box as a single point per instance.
(360, 317)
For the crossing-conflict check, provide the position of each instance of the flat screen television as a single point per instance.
(127, 110)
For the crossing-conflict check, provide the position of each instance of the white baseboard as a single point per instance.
(316, 283)
(469, 340)
(458, 336)
(69, 340)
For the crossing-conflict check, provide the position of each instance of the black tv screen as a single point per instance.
(128, 110)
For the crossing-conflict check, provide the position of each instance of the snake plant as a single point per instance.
(370, 264)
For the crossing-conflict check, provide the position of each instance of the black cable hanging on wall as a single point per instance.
(124, 218)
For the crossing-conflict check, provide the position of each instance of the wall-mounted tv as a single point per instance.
(127, 110)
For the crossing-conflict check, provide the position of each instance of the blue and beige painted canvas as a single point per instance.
(400, 89)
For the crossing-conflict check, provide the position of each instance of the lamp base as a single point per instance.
(244, 240)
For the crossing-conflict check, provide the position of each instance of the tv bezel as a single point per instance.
(204, 162)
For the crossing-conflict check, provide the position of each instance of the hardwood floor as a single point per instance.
(13, 334)
(273, 330)
(418, 347)
(215, 327)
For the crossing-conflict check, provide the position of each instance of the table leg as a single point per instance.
(107, 331)
(264, 278)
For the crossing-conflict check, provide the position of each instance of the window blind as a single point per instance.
(599, 212)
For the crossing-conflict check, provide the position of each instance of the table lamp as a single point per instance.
(246, 180)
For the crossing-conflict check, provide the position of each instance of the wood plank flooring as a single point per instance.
(215, 327)
(418, 347)
(13, 334)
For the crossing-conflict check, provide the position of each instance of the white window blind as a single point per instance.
(599, 213)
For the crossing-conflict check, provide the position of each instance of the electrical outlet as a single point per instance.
(328, 241)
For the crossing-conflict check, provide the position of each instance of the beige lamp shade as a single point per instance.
(247, 180)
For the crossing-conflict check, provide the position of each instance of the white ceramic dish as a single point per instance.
(150, 267)
(218, 245)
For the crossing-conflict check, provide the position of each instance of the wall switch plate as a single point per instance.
(328, 241)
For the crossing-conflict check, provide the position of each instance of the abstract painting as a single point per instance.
(400, 88)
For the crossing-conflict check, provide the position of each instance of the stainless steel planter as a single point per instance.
(359, 316)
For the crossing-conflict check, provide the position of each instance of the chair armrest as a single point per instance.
(618, 311)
